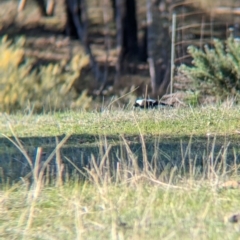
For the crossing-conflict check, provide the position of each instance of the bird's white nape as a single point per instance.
(140, 101)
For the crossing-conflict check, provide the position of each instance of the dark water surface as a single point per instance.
(83, 150)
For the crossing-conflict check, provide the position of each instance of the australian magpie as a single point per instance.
(150, 103)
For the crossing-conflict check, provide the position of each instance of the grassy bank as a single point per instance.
(168, 196)
(173, 122)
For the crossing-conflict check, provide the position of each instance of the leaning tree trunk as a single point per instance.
(158, 46)
(78, 15)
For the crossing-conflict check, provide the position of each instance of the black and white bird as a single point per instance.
(150, 103)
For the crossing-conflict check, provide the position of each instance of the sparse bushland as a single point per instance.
(216, 70)
(117, 196)
(123, 199)
(26, 86)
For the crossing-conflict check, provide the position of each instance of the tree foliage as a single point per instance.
(216, 69)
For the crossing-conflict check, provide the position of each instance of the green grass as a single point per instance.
(184, 200)
(137, 210)
(169, 122)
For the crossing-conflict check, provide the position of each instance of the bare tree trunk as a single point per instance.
(158, 46)
(130, 40)
(50, 7)
(126, 24)
(21, 5)
(107, 18)
(80, 22)
(119, 12)
(151, 46)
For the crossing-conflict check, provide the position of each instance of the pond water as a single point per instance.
(87, 151)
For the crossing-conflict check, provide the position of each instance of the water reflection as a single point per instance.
(110, 152)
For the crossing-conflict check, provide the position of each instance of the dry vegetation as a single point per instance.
(44, 42)
(136, 208)
(128, 201)
(158, 174)
(24, 85)
(122, 195)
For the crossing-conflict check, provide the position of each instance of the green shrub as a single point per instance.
(216, 70)
(45, 88)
